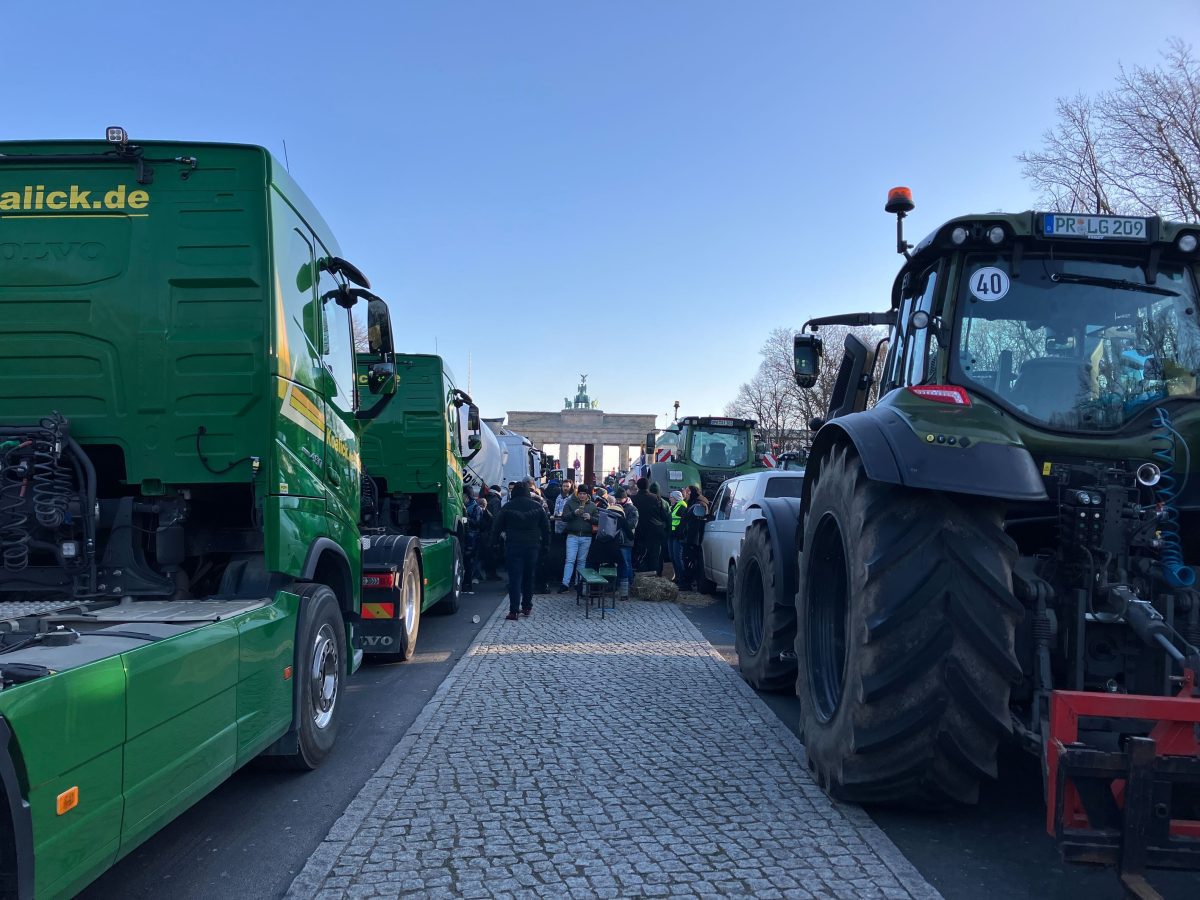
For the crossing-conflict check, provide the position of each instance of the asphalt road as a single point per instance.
(999, 848)
(252, 835)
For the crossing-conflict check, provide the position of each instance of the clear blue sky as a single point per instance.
(639, 191)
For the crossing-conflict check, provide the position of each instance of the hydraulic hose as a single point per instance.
(1175, 571)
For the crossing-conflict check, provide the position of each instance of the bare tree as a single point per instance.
(358, 327)
(1070, 170)
(772, 398)
(1134, 149)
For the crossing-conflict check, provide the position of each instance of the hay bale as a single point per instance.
(650, 587)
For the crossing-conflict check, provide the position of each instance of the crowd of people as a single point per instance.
(547, 537)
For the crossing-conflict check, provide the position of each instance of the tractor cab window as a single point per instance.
(1076, 344)
(719, 447)
(911, 352)
(919, 350)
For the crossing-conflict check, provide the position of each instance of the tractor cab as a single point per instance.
(704, 451)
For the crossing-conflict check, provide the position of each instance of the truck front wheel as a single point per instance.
(320, 642)
(904, 640)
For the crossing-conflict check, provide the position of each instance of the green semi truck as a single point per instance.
(179, 488)
(412, 520)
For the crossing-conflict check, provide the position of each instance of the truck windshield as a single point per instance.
(1077, 344)
(716, 446)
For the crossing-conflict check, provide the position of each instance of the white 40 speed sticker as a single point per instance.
(989, 283)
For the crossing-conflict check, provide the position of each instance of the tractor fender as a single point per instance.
(781, 516)
(891, 452)
(20, 819)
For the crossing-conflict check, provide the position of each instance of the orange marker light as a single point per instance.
(68, 800)
(287, 673)
(899, 199)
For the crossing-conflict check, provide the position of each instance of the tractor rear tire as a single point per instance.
(764, 617)
(904, 641)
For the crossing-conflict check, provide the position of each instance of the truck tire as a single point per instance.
(731, 590)
(904, 643)
(449, 604)
(317, 679)
(764, 617)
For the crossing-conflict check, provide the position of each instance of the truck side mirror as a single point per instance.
(379, 327)
(807, 350)
(381, 378)
(470, 428)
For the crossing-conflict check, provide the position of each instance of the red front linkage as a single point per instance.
(1114, 807)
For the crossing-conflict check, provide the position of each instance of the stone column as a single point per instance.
(598, 464)
(625, 460)
(562, 457)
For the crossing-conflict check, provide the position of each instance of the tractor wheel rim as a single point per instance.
(753, 604)
(324, 676)
(825, 624)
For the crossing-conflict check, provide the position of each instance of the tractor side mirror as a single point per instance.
(649, 442)
(807, 350)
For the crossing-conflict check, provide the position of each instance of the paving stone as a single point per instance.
(620, 757)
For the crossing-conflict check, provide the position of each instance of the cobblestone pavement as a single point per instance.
(579, 757)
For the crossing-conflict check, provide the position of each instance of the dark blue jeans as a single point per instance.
(521, 563)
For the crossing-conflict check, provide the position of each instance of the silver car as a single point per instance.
(736, 504)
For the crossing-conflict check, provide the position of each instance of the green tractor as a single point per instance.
(1001, 547)
(705, 451)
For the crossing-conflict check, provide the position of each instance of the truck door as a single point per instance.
(341, 445)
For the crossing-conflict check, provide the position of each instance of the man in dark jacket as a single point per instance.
(692, 537)
(653, 520)
(526, 529)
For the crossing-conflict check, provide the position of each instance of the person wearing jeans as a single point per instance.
(526, 529)
(579, 514)
(629, 515)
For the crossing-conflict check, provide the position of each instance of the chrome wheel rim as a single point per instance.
(410, 597)
(324, 676)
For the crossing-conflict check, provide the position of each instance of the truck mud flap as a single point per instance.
(378, 635)
(378, 629)
(1137, 808)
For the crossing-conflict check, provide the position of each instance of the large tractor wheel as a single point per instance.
(764, 615)
(904, 641)
(317, 677)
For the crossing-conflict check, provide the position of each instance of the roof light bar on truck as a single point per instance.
(124, 153)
